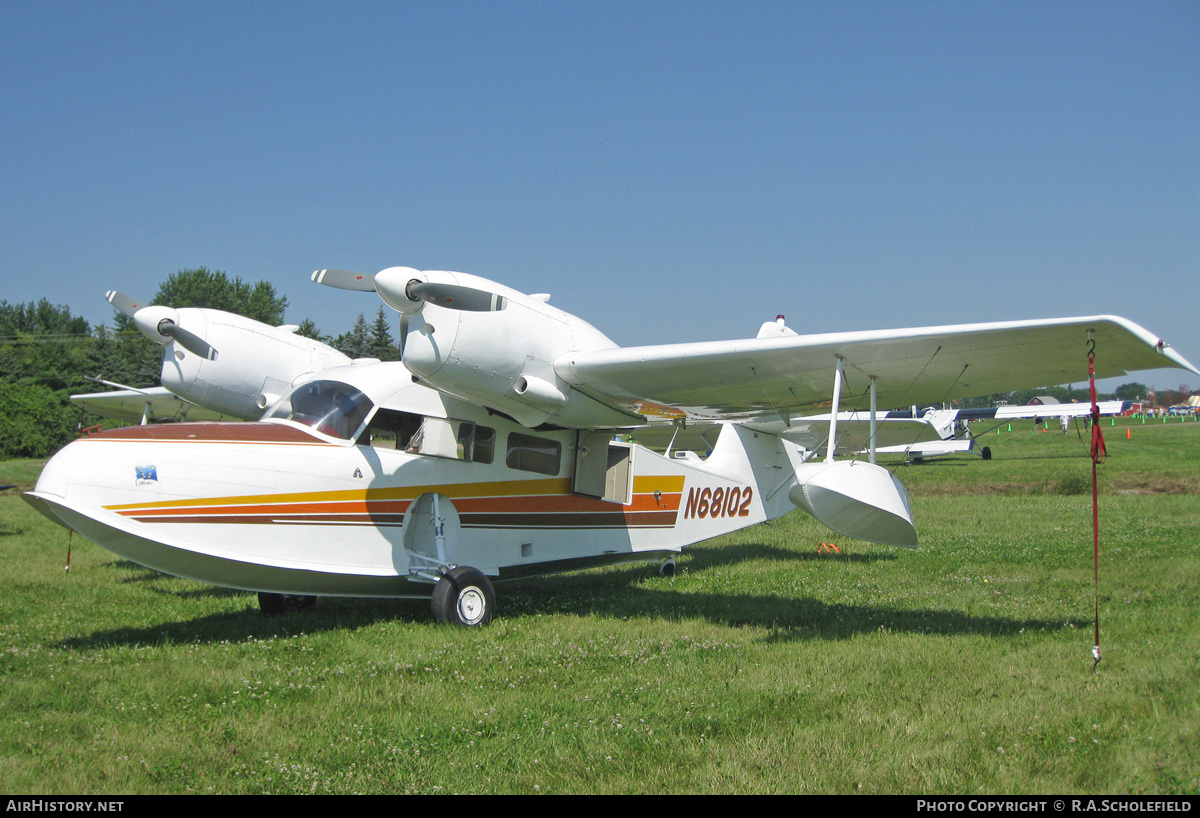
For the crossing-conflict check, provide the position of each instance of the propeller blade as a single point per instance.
(190, 341)
(403, 332)
(455, 296)
(345, 280)
(123, 303)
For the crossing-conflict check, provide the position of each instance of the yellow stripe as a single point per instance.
(666, 483)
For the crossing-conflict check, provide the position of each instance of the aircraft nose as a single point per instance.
(51, 485)
(53, 479)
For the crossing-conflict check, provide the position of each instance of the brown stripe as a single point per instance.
(566, 503)
(610, 519)
(213, 433)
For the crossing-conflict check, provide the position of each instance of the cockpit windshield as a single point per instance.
(331, 407)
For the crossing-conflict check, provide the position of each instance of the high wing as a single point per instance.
(155, 404)
(793, 375)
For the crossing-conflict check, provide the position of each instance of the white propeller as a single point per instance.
(408, 290)
(161, 325)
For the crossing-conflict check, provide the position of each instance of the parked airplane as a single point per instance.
(950, 433)
(489, 451)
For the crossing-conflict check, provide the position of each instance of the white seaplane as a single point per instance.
(514, 439)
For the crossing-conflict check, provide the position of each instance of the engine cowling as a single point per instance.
(260, 362)
(496, 347)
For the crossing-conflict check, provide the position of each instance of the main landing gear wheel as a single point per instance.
(666, 568)
(279, 604)
(986, 453)
(464, 596)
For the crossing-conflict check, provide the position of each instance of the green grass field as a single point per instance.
(761, 667)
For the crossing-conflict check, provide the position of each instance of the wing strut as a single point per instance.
(837, 399)
(874, 421)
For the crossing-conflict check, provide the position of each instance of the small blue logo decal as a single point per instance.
(358, 473)
(146, 474)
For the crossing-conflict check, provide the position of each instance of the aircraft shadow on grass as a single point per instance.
(702, 559)
(616, 593)
(698, 560)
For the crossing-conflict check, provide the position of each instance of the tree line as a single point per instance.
(48, 354)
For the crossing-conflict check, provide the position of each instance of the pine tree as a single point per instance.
(357, 342)
(382, 345)
(308, 329)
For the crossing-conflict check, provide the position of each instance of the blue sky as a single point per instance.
(668, 171)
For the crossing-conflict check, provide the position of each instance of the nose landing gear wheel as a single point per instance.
(280, 604)
(464, 596)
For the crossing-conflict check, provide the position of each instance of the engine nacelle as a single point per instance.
(501, 354)
(260, 362)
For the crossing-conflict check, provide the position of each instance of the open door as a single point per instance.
(603, 467)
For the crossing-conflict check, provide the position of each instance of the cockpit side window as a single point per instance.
(331, 407)
(436, 437)
(390, 429)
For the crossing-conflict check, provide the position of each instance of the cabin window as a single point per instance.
(331, 407)
(390, 429)
(436, 437)
(536, 454)
(456, 439)
(485, 444)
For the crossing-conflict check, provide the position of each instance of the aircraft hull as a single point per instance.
(270, 507)
(139, 543)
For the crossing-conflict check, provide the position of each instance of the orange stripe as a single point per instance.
(524, 495)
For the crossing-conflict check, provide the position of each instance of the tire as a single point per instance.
(986, 452)
(666, 568)
(464, 596)
(280, 604)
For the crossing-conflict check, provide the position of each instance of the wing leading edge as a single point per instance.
(155, 404)
(793, 375)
